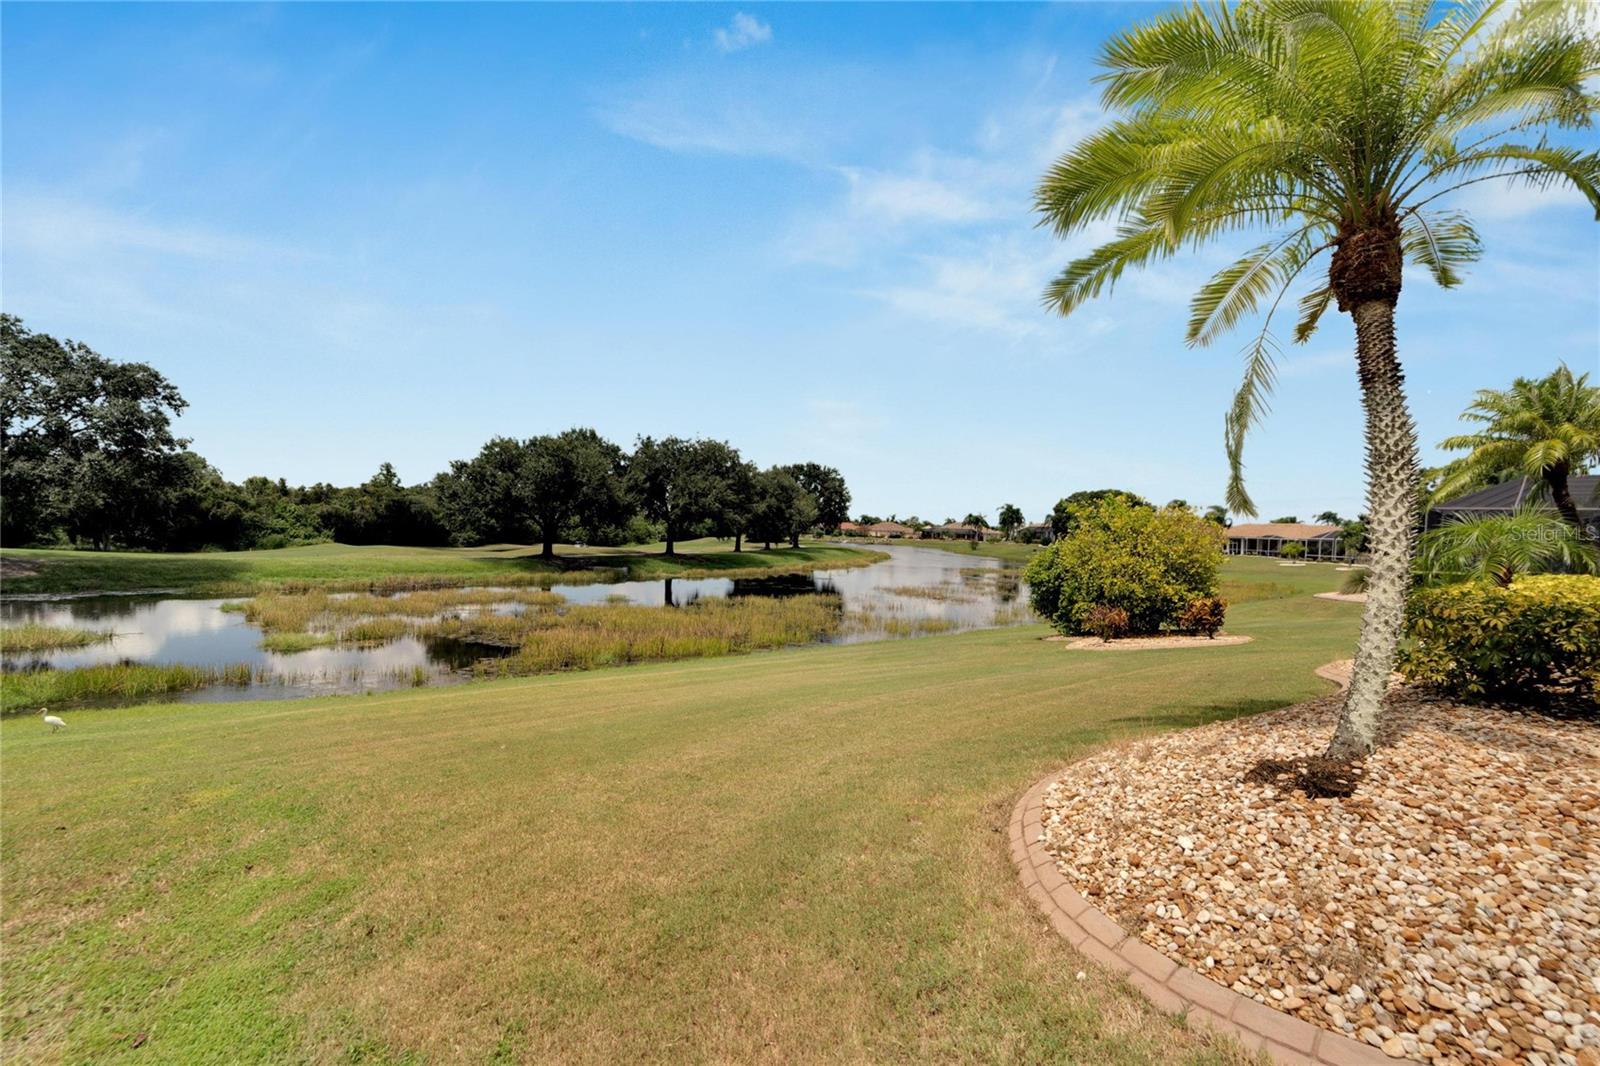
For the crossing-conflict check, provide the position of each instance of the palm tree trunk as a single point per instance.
(1391, 442)
(1555, 479)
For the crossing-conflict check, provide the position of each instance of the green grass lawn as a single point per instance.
(791, 856)
(1253, 577)
(336, 565)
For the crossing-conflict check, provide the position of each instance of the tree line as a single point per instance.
(88, 456)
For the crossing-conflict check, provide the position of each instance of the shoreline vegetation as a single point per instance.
(380, 568)
(31, 637)
(27, 691)
(545, 636)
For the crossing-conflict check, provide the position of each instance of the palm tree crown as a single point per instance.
(1545, 429)
(1334, 124)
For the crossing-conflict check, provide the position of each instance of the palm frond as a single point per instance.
(1441, 242)
(1249, 407)
(1312, 305)
(1236, 290)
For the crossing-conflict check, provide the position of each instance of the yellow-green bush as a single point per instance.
(1150, 564)
(1536, 640)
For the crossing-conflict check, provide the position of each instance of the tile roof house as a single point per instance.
(1268, 538)
(960, 531)
(890, 529)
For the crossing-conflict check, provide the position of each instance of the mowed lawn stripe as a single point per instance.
(779, 857)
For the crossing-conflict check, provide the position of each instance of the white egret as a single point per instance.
(51, 720)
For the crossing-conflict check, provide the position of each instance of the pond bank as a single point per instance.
(345, 567)
(311, 641)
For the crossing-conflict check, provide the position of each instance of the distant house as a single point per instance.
(889, 530)
(1507, 496)
(852, 529)
(1268, 538)
(1037, 533)
(959, 531)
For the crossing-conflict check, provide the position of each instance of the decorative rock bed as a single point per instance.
(1449, 911)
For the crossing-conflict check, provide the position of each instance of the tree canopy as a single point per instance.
(89, 455)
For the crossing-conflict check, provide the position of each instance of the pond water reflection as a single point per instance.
(916, 591)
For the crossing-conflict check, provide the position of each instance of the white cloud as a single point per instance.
(743, 32)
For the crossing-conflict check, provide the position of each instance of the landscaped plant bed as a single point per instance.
(1448, 910)
(1166, 640)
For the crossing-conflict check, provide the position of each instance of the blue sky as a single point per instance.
(357, 234)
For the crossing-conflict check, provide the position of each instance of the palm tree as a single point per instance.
(1337, 125)
(1545, 429)
(1501, 548)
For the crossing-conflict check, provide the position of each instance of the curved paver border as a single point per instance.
(1171, 987)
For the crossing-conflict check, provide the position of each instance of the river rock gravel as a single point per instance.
(1448, 911)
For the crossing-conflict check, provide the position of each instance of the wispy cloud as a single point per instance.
(919, 195)
(1506, 200)
(59, 228)
(727, 128)
(743, 32)
(994, 287)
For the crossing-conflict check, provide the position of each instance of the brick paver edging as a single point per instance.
(1171, 987)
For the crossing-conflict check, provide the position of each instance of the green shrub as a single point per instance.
(1536, 640)
(1292, 549)
(1152, 564)
(1203, 615)
(1107, 623)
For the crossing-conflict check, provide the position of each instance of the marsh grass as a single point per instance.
(372, 631)
(890, 621)
(123, 682)
(289, 643)
(953, 593)
(583, 638)
(500, 630)
(437, 601)
(379, 618)
(30, 638)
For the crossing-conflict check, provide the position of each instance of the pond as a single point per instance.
(915, 592)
